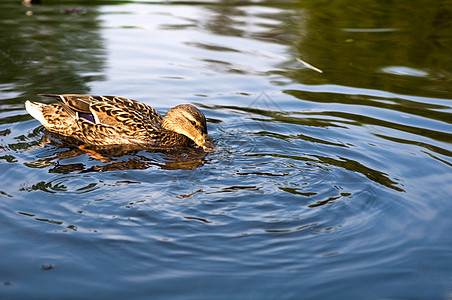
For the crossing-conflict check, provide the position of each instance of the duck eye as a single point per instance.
(193, 122)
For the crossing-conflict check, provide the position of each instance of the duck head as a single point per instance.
(186, 119)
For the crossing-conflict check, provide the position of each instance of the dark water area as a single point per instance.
(325, 185)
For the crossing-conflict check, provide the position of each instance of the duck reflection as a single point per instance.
(114, 158)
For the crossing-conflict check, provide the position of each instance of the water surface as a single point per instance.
(332, 185)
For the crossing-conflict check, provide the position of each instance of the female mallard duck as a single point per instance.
(109, 120)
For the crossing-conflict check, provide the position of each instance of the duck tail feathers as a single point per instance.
(35, 110)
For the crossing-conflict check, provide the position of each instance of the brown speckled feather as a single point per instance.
(111, 120)
(118, 120)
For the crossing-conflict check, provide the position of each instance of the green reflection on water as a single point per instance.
(355, 43)
(43, 49)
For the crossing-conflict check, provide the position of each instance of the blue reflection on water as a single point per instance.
(332, 185)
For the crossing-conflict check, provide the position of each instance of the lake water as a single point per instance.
(333, 185)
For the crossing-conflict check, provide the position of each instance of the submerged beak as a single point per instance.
(205, 143)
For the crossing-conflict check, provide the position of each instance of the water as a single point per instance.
(332, 185)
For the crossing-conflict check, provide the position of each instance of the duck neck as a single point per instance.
(172, 138)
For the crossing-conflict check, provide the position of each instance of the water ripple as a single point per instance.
(323, 184)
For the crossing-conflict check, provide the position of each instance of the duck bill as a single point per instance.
(205, 143)
(209, 146)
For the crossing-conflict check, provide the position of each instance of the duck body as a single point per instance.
(112, 120)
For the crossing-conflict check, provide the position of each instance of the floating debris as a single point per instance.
(30, 2)
(309, 65)
(47, 266)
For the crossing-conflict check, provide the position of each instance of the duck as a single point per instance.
(114, 120)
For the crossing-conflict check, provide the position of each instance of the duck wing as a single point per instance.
(112, 111)
(72, 103)
(138, 109)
